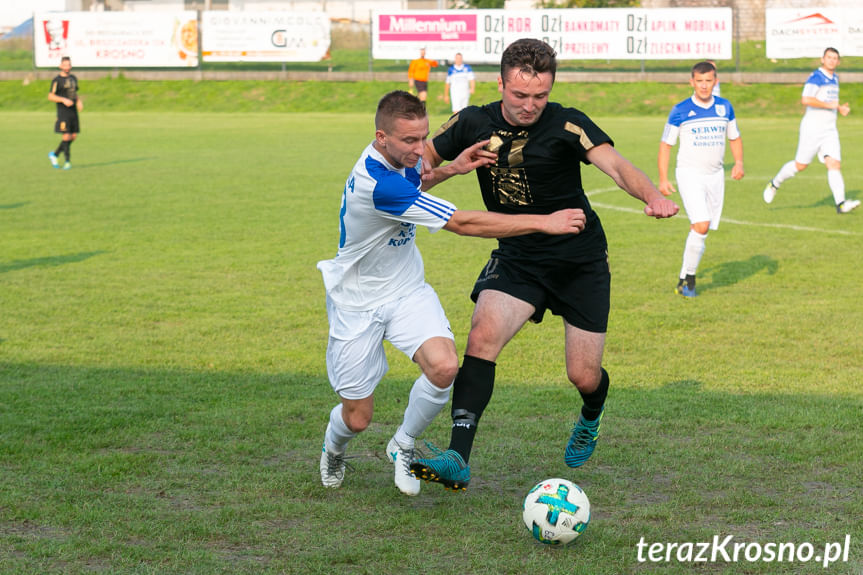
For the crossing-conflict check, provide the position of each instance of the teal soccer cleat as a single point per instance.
(582, 442)
(446, 467)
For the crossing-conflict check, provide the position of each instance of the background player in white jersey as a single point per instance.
(376, 289)
(702, 122)
(460, 84)
(818, 133)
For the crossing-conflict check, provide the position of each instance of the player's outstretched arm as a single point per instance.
(470, 159)
(496, 225)
(632, 180)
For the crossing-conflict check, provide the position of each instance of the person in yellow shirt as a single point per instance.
(418, 75)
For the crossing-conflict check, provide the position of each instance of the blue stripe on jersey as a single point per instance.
(393, 194)
(433, 206)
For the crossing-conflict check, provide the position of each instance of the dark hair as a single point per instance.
(528, 56)
(703, 68)
(65, 59)
(398, 104)
(830, 49)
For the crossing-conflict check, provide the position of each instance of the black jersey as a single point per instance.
(65, 87)
(537, 172)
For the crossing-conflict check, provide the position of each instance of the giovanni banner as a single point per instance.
(116, 39)
(805, 33)
(264, 36)
(575, 34)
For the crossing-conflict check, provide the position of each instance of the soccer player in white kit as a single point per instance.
(818, 133)
(702, 123)
(460, 84)
(376, 288)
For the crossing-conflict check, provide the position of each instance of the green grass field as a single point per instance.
(163, 390)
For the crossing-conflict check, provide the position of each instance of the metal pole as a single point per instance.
(736, 38)
(371, 43)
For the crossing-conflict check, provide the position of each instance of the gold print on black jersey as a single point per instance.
(495, 143)
(515, 152)
(510, 186)
(508, 181)
(501, 139)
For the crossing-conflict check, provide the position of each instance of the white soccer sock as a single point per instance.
(837, 185)
(789, 170)
(692, 253)
(426, 401)
(338, 435)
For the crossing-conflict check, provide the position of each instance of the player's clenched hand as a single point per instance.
(568, 221)
(661, 207)
(472, 158)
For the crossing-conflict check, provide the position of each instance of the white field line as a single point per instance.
(724, 220)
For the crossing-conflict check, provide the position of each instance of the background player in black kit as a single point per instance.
(537, 146)
(64, 92)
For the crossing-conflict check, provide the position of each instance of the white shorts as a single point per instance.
(356, 361)
(459, 101)
(702, 195)
(817, 139)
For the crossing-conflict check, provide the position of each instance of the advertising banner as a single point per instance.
(805, 33)
(264, 36)
(116, 39)
(575, 34)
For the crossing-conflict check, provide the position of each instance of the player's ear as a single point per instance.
(381, 137)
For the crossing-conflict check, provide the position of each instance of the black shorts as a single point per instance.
(421, 86)
(67, 121)
(578, 292)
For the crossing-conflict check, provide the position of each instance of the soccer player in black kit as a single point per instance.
(64, 92)
(538, 146)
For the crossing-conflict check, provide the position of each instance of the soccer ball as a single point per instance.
(556, 511)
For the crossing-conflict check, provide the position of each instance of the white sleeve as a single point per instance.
(669, 134)
(732, 132)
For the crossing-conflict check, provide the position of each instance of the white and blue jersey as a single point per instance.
(459, 78)
(818, 131)
(702, 131)
(826, 89)
(378, 260)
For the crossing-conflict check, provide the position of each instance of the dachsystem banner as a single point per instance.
(575, 34)
(116, 39)
(264, 36)
(799, 33)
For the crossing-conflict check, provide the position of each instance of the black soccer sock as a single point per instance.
(471, 394)
(68, 150)
(594, 400)
(61, 148)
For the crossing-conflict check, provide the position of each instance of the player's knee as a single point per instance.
(585, 379)
(357, 420)
(443, 371)
(831, 163)
(701, 227)
(482, 342)
(800, 167)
